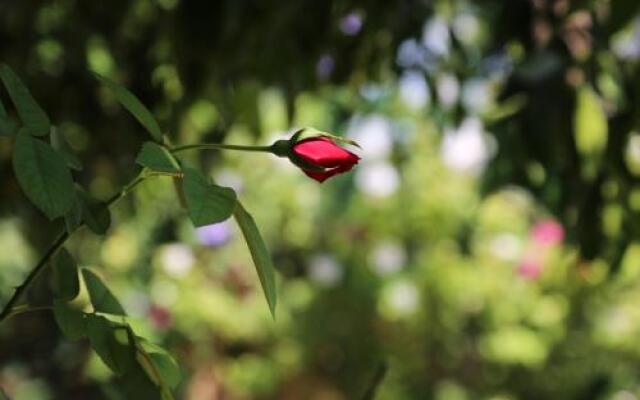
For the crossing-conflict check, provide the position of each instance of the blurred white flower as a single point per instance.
(400, 299)
(505, 246)
(467, 149)
(626, 44)
(435, 36)
(373, 134)
(229, 178)
(414, 90)
(176, 259)
(409, 54)
(324, 270)
(377, 179)
(448, 89)
(387, 257)
(466, 27)
(476, 95)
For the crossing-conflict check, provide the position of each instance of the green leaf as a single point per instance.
(590, 123)
(8, 127)
(157, 158)
(70, 321)
(95, 214)
(134, 106)
(165, 364)
(207, 203)
(43, 175)
(60, 143)
(101, 297)
(32, 116)
(112, 343)
(259, 254)
(66, 284)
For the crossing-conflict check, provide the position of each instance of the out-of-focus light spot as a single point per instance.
(435, 36)
(399, 299)
(99, 58)
(372, 91)
(176, 259)
(377, 179)
(136, 303)
(466, 149)
(373, 134)
(387, 258)
(448, 89)
(505, 246)
(203, 115)
(214, 235)
(160, 317)
(624, 395)
(164, 292)
(466, 27)
(228, 178)
(168, 4)
(410, 54)
(632, 153)
(351, 24)
(414, 90)
(547, 233)
(324, 270)
(476, 95)
(529, 269)
(325, 66)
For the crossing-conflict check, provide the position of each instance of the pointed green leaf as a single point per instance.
(259, 254)
(101, 297)
(134, 106)
(165, 364)
(60, 143)
(95, 214)
(112, 344)
(43, 175)
(8, 127)
(32, 116)
(157, 158)
(70, 321)
(590, 123)
(66, 284)
(207, 203)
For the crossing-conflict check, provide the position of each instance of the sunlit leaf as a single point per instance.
(66, 284)
(101, 297)
(134, 106)
(259, 254)
(157, 158)
(43, 175)
(70, 321)
(207, 203)
(32, 116)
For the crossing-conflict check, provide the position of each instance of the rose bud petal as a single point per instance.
(324, 157)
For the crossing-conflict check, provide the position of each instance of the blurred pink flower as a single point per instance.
(160, 316)
(547, 233)
(529, 269)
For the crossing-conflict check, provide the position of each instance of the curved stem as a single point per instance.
(8, 309)
(219, 146)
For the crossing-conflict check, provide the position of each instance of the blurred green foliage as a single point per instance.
(487, 246)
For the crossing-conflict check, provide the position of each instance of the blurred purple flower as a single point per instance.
(351, 24)
(529, 269)
(547, 233)
(324, 66)
(214, 235)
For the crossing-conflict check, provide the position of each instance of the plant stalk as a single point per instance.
(220, 146)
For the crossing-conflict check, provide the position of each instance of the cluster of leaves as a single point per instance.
(43, 170)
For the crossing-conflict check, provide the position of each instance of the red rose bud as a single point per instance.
(316, 153)
(325, 157)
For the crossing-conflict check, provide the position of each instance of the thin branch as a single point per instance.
(55, 246)
(379, 375)
(220, 146)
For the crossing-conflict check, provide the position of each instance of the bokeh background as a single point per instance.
(486, 247)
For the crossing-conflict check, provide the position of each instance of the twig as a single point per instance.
(379, 375)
